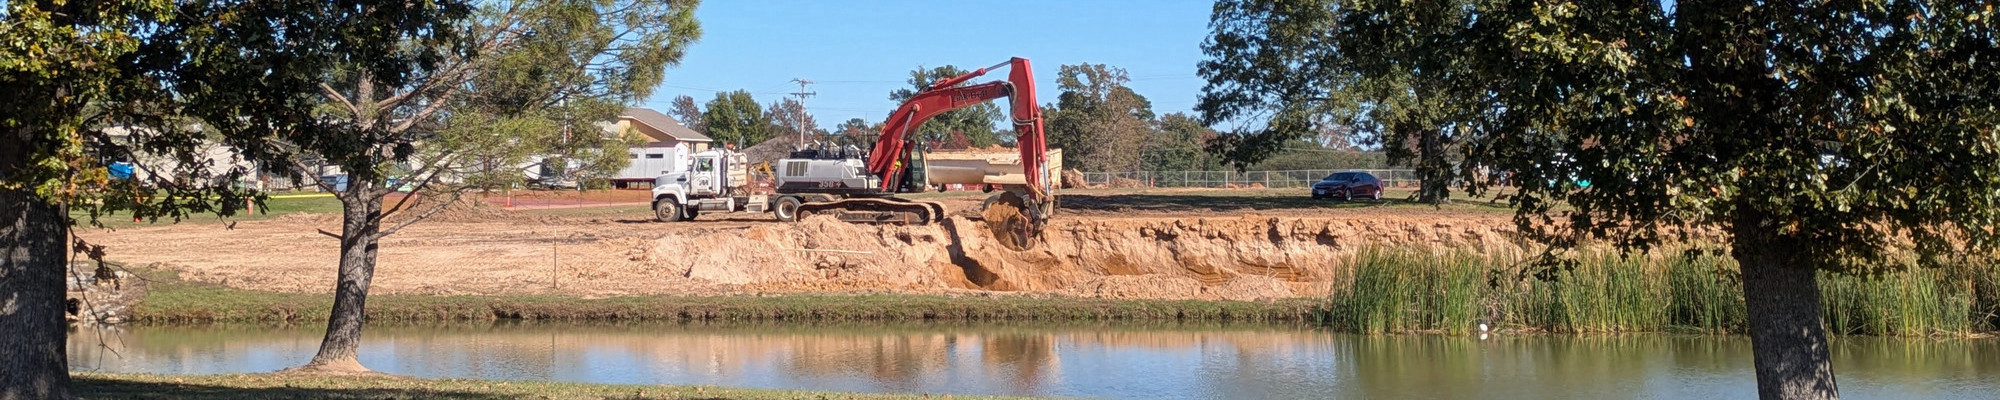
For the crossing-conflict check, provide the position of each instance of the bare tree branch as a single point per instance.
(432, 170)
(426, 214)
(329, 234)
(327, 89)
(301, 167)
(436, 104)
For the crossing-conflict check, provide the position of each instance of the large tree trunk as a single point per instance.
(34, 357)
(1433, 168)
(1787, 336)
(358, 239)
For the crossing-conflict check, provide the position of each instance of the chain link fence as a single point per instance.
(1400, 178)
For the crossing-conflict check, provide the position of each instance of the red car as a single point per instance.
(1348, 185)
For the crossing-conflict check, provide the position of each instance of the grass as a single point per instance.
(275, 207)
(172, 300)
(1409, 290)
(266, 386)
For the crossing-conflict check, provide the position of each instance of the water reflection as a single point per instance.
(1115, 361)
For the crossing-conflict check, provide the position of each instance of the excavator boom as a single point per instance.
(1033, 200)
(896, 142)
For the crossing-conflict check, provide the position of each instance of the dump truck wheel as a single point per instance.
(666, 211)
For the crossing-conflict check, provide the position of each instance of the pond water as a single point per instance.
(1104, 361)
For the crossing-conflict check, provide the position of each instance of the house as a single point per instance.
(668, 145)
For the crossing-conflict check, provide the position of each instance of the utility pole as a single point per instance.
(802, 94)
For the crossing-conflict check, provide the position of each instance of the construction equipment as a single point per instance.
(854, 186)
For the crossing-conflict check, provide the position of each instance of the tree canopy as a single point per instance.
(975, 122)
(689, 113)
(1306, 67)
(1831, 136)
(735, 118)
(788, 117)
(1100, 124)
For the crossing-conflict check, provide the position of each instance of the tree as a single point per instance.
(788, 117)
(1814, 137)
(857, 132)
(1100, 124)
(75, 72)
(93, 83)
(684, 109)
(1177, 145)
(1310, 66)
(735, 118)
(385, 78)
(975, 122)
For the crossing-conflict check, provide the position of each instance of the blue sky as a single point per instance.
(858, 51)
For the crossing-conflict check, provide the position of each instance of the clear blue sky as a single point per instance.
(858, 51)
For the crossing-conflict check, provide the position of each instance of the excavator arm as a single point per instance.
(894, 146)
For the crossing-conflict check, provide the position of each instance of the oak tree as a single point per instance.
(1837, 137)
(1100, 124)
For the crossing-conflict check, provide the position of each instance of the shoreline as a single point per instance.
(171, 300)
(277, 385)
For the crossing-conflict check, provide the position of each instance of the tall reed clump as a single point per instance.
(1405, 290)
(1601, 292)
(1391, 290)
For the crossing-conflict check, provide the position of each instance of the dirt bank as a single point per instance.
(1177, 245)
(1229, 258)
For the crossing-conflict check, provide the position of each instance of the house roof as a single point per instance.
(663, 123)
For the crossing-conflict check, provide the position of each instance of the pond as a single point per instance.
(1077, 360)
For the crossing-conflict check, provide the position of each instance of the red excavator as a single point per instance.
(832, 181)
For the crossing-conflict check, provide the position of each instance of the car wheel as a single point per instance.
(666, 211)
(1378, 193)
(1347, 195)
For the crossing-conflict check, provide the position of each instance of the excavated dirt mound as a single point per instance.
(1071, 179)
(1243, 258)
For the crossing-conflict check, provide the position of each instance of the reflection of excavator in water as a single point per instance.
(856, 187)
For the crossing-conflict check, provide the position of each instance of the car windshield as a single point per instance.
(1340, 177)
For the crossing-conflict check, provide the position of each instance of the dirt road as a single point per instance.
(1161, 244)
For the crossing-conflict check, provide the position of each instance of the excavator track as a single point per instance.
(877, 211)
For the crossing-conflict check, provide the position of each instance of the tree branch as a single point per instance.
(329, 234)
(432, 170)
(326, 89)
(426, 214)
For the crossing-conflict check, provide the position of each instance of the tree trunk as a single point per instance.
(1433, 170)
(33, 335)
(1787, 336)
(358, 238)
